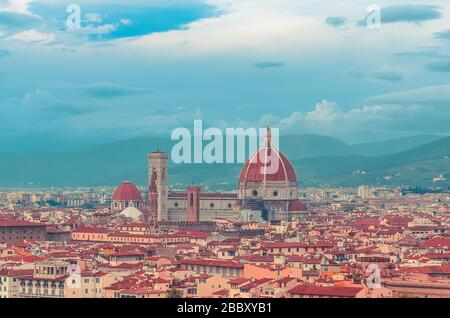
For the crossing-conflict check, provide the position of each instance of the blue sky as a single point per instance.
(142, 68)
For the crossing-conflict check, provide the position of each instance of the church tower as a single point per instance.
(152, 204)
(193, 204)
(158, 165)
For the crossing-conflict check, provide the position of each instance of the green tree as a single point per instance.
(174, 293)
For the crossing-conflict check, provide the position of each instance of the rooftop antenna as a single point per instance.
(157, 143)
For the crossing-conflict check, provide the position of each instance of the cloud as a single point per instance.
(388, 76)
(441, 66)
(111, 90)
(32, 36)
(15, 14)
(39, 118)
(93, 17)
(444, 35)
(126, 21)
(420, 53)
(131, 18)
(15, 21)
(15, 5)
(407, 13)
(424, 110)
(96, 31)
(336, 21)
(4, 53)
(269, 64)
(428, 96)
(38, 107)
(381, 120)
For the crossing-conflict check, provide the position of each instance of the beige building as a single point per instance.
(48, 280)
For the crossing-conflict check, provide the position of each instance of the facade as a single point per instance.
(365, 192)
(268, 189)
(16, 231)
(268, 184)
(9, 282)
(210, 206)
(158, 168)
(213, 267)
(47, 281)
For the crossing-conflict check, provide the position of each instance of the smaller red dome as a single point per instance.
(297, 205)
(127, 192)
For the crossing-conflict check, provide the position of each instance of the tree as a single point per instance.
(174, 293)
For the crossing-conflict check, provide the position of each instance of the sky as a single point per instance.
(145, 67)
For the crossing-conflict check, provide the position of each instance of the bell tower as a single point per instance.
(193, 204)
(158, 172)
(152, 203)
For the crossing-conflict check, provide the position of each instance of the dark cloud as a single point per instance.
(444, 35)
(111, 90)
(427, 96)
(62, 109)
(388, 76)
(269, 64)
(422, 53)
(442, 66)
(336, 21)
(407, 13)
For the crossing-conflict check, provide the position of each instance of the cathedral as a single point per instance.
(263, 193)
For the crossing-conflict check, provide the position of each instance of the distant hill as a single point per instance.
(392, 146)
(318, 160)
(417, 166)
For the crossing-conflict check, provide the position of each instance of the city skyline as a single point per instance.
(224, 156)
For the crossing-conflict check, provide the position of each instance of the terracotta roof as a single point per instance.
(256, 168)
(218, 263)
(18, 223)
(312, 290)
(127, 192)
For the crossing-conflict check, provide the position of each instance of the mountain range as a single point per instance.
(319, 161)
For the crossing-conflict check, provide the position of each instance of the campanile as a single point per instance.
(158, 165)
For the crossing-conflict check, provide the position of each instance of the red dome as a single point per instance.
(257, 168)
(297, 205)
(127, 192)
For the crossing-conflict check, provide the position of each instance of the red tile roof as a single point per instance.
(334, 291)
(218, 263)
(18, 223)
